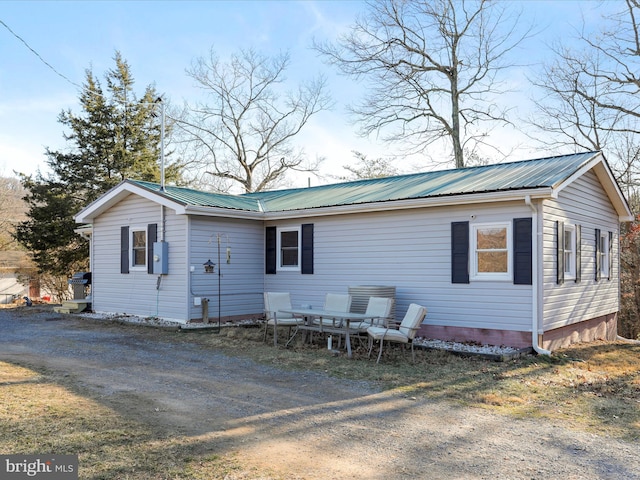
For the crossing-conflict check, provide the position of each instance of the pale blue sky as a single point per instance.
(159, 39)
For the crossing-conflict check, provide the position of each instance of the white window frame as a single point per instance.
(604, 254)
(494, 276)
(132, 255)
(569, 255)
(288, 268)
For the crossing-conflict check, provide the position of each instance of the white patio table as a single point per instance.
(342, 319)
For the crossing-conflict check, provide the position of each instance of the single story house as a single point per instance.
(523, 254)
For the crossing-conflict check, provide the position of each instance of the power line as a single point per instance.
(39, 56)
(86, 88)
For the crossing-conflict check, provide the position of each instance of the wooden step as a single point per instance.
(72, 306)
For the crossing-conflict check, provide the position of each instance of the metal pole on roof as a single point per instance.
(161, 142)
(162, 128)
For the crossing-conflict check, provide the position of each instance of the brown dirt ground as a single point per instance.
(299, 425)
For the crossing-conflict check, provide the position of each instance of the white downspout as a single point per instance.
(534, 275)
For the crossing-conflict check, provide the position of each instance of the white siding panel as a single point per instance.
(240, 287)
(409, 250)
(585, 203)
(136, 293)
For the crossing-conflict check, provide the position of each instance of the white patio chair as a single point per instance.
(405, 333)
(380, 310)
(334, 302)
(274, 303)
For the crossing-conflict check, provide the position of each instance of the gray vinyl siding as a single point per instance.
(411, 250)
(584, 202)
(241, 283)
(135, 293)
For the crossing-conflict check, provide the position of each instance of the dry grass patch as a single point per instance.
(594, 387)
(40, 414)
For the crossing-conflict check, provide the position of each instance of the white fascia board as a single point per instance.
(608, 182)
(597, 158)
(391, 205)
(119, 193)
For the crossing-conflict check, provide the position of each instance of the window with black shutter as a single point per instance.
(289, 249)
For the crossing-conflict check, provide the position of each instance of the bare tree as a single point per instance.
(368, 168)
(244, 129)
(617, 74)
(433, 69)
(589, 95)
(590, 100)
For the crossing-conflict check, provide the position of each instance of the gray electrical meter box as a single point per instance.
(160, 258)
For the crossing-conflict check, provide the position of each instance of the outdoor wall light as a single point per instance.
(209, 266)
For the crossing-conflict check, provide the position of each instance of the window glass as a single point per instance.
(604, 254)
(492, 262)
(139, 243)
(289, 250)
(491, 245)
(569, 251)
(492, 238)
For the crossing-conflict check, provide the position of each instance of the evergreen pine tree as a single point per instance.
(115, 137)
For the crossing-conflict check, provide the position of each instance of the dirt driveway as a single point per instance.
(302, 425)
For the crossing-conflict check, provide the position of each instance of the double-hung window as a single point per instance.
(138, 248)
(491, 247)
(569, 252)
(603, 252)
(288, 248)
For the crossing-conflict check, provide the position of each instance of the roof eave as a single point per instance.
(602, 170)
(119, 193)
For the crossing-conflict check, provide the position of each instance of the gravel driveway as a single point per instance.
(302, 425)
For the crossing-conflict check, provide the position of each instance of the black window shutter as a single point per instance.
(124, 249)
(459, 252)
(270, 250)
(559, 252)
(307, 249)
(598, 271)
(522, 251)
(610, 254)
(152, 237)
(578, 253)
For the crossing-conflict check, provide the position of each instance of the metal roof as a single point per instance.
(522, 175)
(188, 196)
